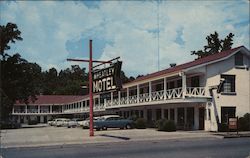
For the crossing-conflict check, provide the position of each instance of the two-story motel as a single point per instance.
(199, 94)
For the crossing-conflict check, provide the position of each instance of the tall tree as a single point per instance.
(8, 34)
(19, 78)
(215, 45)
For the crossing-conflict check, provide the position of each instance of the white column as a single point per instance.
(184, 85)
(26, 109)
(99, 101)
(105, 103)
(50, 108)
(165, 88)
(150, 90)
(138, 93)
(13, 110)
(81, 106)
(85, 105)
(111, 98)
(119, 97)
(127, 95)
(38, 108)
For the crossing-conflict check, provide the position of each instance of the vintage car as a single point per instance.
(74, 122)
(112, 121)
(85, 123)
(61, 122)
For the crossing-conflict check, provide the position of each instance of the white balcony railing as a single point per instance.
(195, 91)
(176, 93)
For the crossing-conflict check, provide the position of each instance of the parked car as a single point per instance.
(74, 122)
(85, 123)
(51, 122)
(112, 121)
(61, 122)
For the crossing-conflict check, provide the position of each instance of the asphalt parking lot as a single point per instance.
(49, 135)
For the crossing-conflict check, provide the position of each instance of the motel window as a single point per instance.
(227, 112)
(238, 59)
(229, 83)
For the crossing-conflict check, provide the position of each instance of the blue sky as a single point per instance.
(55, 30)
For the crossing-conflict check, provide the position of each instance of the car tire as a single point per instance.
(98, 129)
(128, 126)
(104, 128)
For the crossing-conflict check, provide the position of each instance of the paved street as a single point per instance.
(188, 148)
(47, 136)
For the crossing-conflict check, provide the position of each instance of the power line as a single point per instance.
(158, 37)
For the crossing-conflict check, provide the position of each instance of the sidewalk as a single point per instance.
(47, 136)
(233, 134)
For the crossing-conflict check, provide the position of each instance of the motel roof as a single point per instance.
(67, 99)
(205, 60)
(54, 99)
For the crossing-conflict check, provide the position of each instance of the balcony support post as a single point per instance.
(51, 109)
(150, 90)
(138, 93)
(111, 99)
(119, 97)
(99, 101)
(184, 84)
(165, 88)
(128, 95)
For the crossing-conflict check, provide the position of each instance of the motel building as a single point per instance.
(198, 95)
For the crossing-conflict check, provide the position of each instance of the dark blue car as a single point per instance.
(112, 121)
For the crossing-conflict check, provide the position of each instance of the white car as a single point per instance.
(60, 122)
(51, 122)
(85, 123)
(74, 122)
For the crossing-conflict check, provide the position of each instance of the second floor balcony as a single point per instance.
(162, 96)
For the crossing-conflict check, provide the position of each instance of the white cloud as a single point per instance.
(129, 26)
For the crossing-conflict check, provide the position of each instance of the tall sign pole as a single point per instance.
(108, 80)
(91, 130)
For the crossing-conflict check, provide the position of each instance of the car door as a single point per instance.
(116, 122)
(109, 122)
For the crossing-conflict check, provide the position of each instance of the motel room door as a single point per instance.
(201, 118)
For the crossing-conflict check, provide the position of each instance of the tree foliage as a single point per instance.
(22, 80)
(8, 34)
(19, 78)
(214, 45)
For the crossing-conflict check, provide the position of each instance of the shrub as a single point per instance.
(244, 122)
(223, 127)
(140, 123)
(166, 125)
